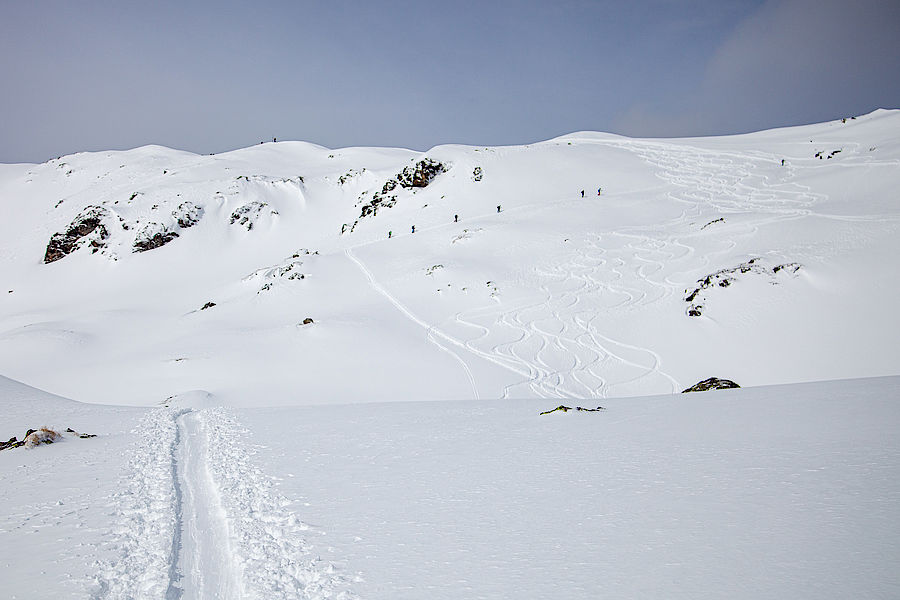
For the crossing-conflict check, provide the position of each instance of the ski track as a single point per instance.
(197, 519)
(557, 344)
(632, 269)
(431, 333)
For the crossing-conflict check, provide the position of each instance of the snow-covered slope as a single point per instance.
(764, 493)
(276, 326)
(700, 257)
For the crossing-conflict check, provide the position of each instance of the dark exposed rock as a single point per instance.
(719, 220)
(792, 267)
(247, 214)
(207, 305)
(35, 437)
(307, 321)
(724, 278)
(713, 383)
(389, 186)
(416, 176)
(152, 236)
(44, 435)
(477, 174)
(88, 222)
(421, 174)
(12, 443)
(564, 408)
(187, 214)
(83, 436)
(343, 179)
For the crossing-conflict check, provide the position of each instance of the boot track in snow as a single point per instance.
(198, 520)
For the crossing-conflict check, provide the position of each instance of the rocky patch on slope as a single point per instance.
(86, 228)
(713, 383)
(419, 175)
(349, 175)
(289, 270)
(724, 278)
(151, 236)
(248, 214)
(187, 214)
(565, 408)
(44, 435)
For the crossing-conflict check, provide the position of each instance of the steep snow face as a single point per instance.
(586, 266)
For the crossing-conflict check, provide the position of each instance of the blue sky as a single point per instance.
(212, 76)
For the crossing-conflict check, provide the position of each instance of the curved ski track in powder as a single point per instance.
(559, 340)
(197, 520)
(431, 332)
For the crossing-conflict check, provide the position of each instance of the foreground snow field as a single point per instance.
(774, 492)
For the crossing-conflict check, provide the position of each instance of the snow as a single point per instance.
(751, 493)
(393, 447)
(556, 295)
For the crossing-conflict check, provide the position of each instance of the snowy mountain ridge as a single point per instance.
(586, 266)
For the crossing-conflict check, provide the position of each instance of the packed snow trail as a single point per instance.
(206, 559)
(148, 516)
(198, 520)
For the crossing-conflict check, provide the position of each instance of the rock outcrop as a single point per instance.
(420, 174)
(38, 437)
(724, 278)
(416, 176)
(187, 214)
(153, 235)
(249, 213)
(713, 383)
(87, 226)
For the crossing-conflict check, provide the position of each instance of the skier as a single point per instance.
(413, 228)
(582, 193)
(782, 162)
(389, 234)
(456, 218)
(498, 208)
(600, 189)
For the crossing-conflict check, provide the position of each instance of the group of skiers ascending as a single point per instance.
(455, 220)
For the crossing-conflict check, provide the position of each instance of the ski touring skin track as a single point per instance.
(198, 520)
